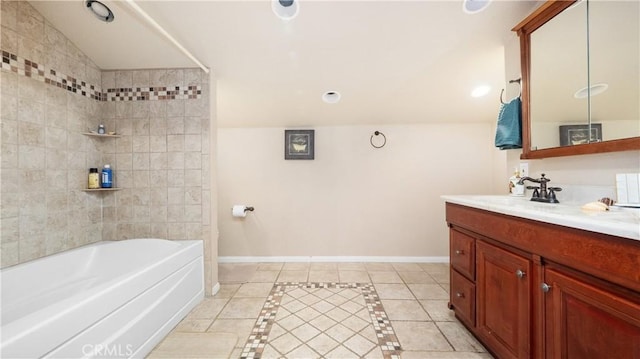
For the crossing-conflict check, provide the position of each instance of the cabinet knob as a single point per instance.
(520, 273)
(545, 287)
(460, 295)
(459, 251)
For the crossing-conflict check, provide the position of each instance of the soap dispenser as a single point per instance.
(513, 181)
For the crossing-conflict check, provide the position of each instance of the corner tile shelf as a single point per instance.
(90, 134)
(101, 189)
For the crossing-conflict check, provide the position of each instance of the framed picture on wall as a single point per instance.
(579, 134)
(299, 144)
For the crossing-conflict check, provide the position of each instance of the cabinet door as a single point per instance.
(583, 320)
(503, 308)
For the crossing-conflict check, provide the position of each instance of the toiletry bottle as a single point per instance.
(107, 177)
(513, 180)
(94, 179)
(101, 130)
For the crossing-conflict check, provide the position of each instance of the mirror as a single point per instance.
(570, 53)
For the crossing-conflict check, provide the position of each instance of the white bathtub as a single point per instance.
(108, 299)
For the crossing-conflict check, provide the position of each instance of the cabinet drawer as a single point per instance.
(463, 298)
(463, 253)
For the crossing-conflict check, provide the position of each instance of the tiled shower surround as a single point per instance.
(50, 94)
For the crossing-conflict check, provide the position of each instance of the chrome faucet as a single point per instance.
(542, 193)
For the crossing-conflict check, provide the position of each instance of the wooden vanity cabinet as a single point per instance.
(543, 290)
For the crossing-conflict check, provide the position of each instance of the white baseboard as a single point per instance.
(340, 259)
(215, 289)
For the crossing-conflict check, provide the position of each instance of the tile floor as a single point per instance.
(324, 320)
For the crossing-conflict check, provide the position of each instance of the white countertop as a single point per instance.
(621, 222)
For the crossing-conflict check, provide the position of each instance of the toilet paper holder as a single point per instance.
(250, 209)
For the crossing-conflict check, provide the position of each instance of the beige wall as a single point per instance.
(352, 200)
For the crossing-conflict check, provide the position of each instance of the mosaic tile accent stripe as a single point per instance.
(258, 339)
(154, 93)
(24, 67)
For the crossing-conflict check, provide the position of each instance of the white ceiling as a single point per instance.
(393, 61)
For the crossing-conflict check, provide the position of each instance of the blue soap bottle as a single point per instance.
(107, 177)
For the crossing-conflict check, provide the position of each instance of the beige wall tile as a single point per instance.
(175, 108)
(31, 157)
(175, 160)
(157, 125)
(158, 161)
(30, 110)
(175, 126)
(10, 252)
(175, 143)
(9, 40)
(140, 144)
(56, 138)
(30, 26)
(175, 178)
(9, 130)
(10, 229)
(9, 156)
(192, 178)
(9, 10)
(158, 109)
(9, 107)
(158, 143)
(31, 49)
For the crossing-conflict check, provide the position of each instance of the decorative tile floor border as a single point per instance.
(24, 67)
(387, 339)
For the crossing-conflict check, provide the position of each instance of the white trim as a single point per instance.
(215, 289)
(340, 259)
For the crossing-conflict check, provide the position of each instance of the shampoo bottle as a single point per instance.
(107, 177)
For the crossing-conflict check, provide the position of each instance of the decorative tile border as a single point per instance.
(154, 93)
(24, 67)
(387, 339)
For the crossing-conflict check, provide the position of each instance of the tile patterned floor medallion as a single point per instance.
(322, 320)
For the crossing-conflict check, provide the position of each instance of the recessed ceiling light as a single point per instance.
(100, 10)
(331, 97)
(474, 6)
(285, 9)
(595, 89)
(480, 91)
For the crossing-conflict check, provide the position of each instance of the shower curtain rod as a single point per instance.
(175, 42)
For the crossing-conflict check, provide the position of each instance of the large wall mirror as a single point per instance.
(581, 78)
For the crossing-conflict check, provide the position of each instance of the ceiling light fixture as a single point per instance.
(100, 10)
(474, 6)
(480, 91)
(285, 9)
(331, 97)
(595, 89)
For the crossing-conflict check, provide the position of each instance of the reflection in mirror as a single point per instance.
(565, 58)
(558, 70)
(614, 59)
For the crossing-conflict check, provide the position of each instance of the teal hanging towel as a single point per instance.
(509, 128)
